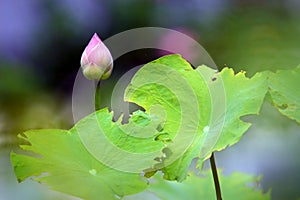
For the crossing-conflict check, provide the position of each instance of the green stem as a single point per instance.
(215, 175)
(97, 96)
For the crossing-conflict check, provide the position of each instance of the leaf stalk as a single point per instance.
(215, 175)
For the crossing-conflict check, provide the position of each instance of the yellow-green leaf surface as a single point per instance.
(284, 90)
(202, 100)
(235, 186)
(242, 96)
(62, 161)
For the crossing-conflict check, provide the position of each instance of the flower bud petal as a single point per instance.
(92, 72)
(96, 60)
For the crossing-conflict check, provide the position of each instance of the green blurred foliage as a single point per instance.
(16, 80)
(25, 104)
(255, 39)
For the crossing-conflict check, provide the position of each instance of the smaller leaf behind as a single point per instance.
(236, 186)
(284, 87)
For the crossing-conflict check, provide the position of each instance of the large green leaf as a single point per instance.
(62, 161)
(235, 186)
(284, 87)
(189, 113)
(201, 100)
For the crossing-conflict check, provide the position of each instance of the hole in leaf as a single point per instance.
(283, 106)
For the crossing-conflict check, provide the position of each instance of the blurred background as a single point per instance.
(41, 43)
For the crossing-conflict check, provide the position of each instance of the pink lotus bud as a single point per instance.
(96, 60)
